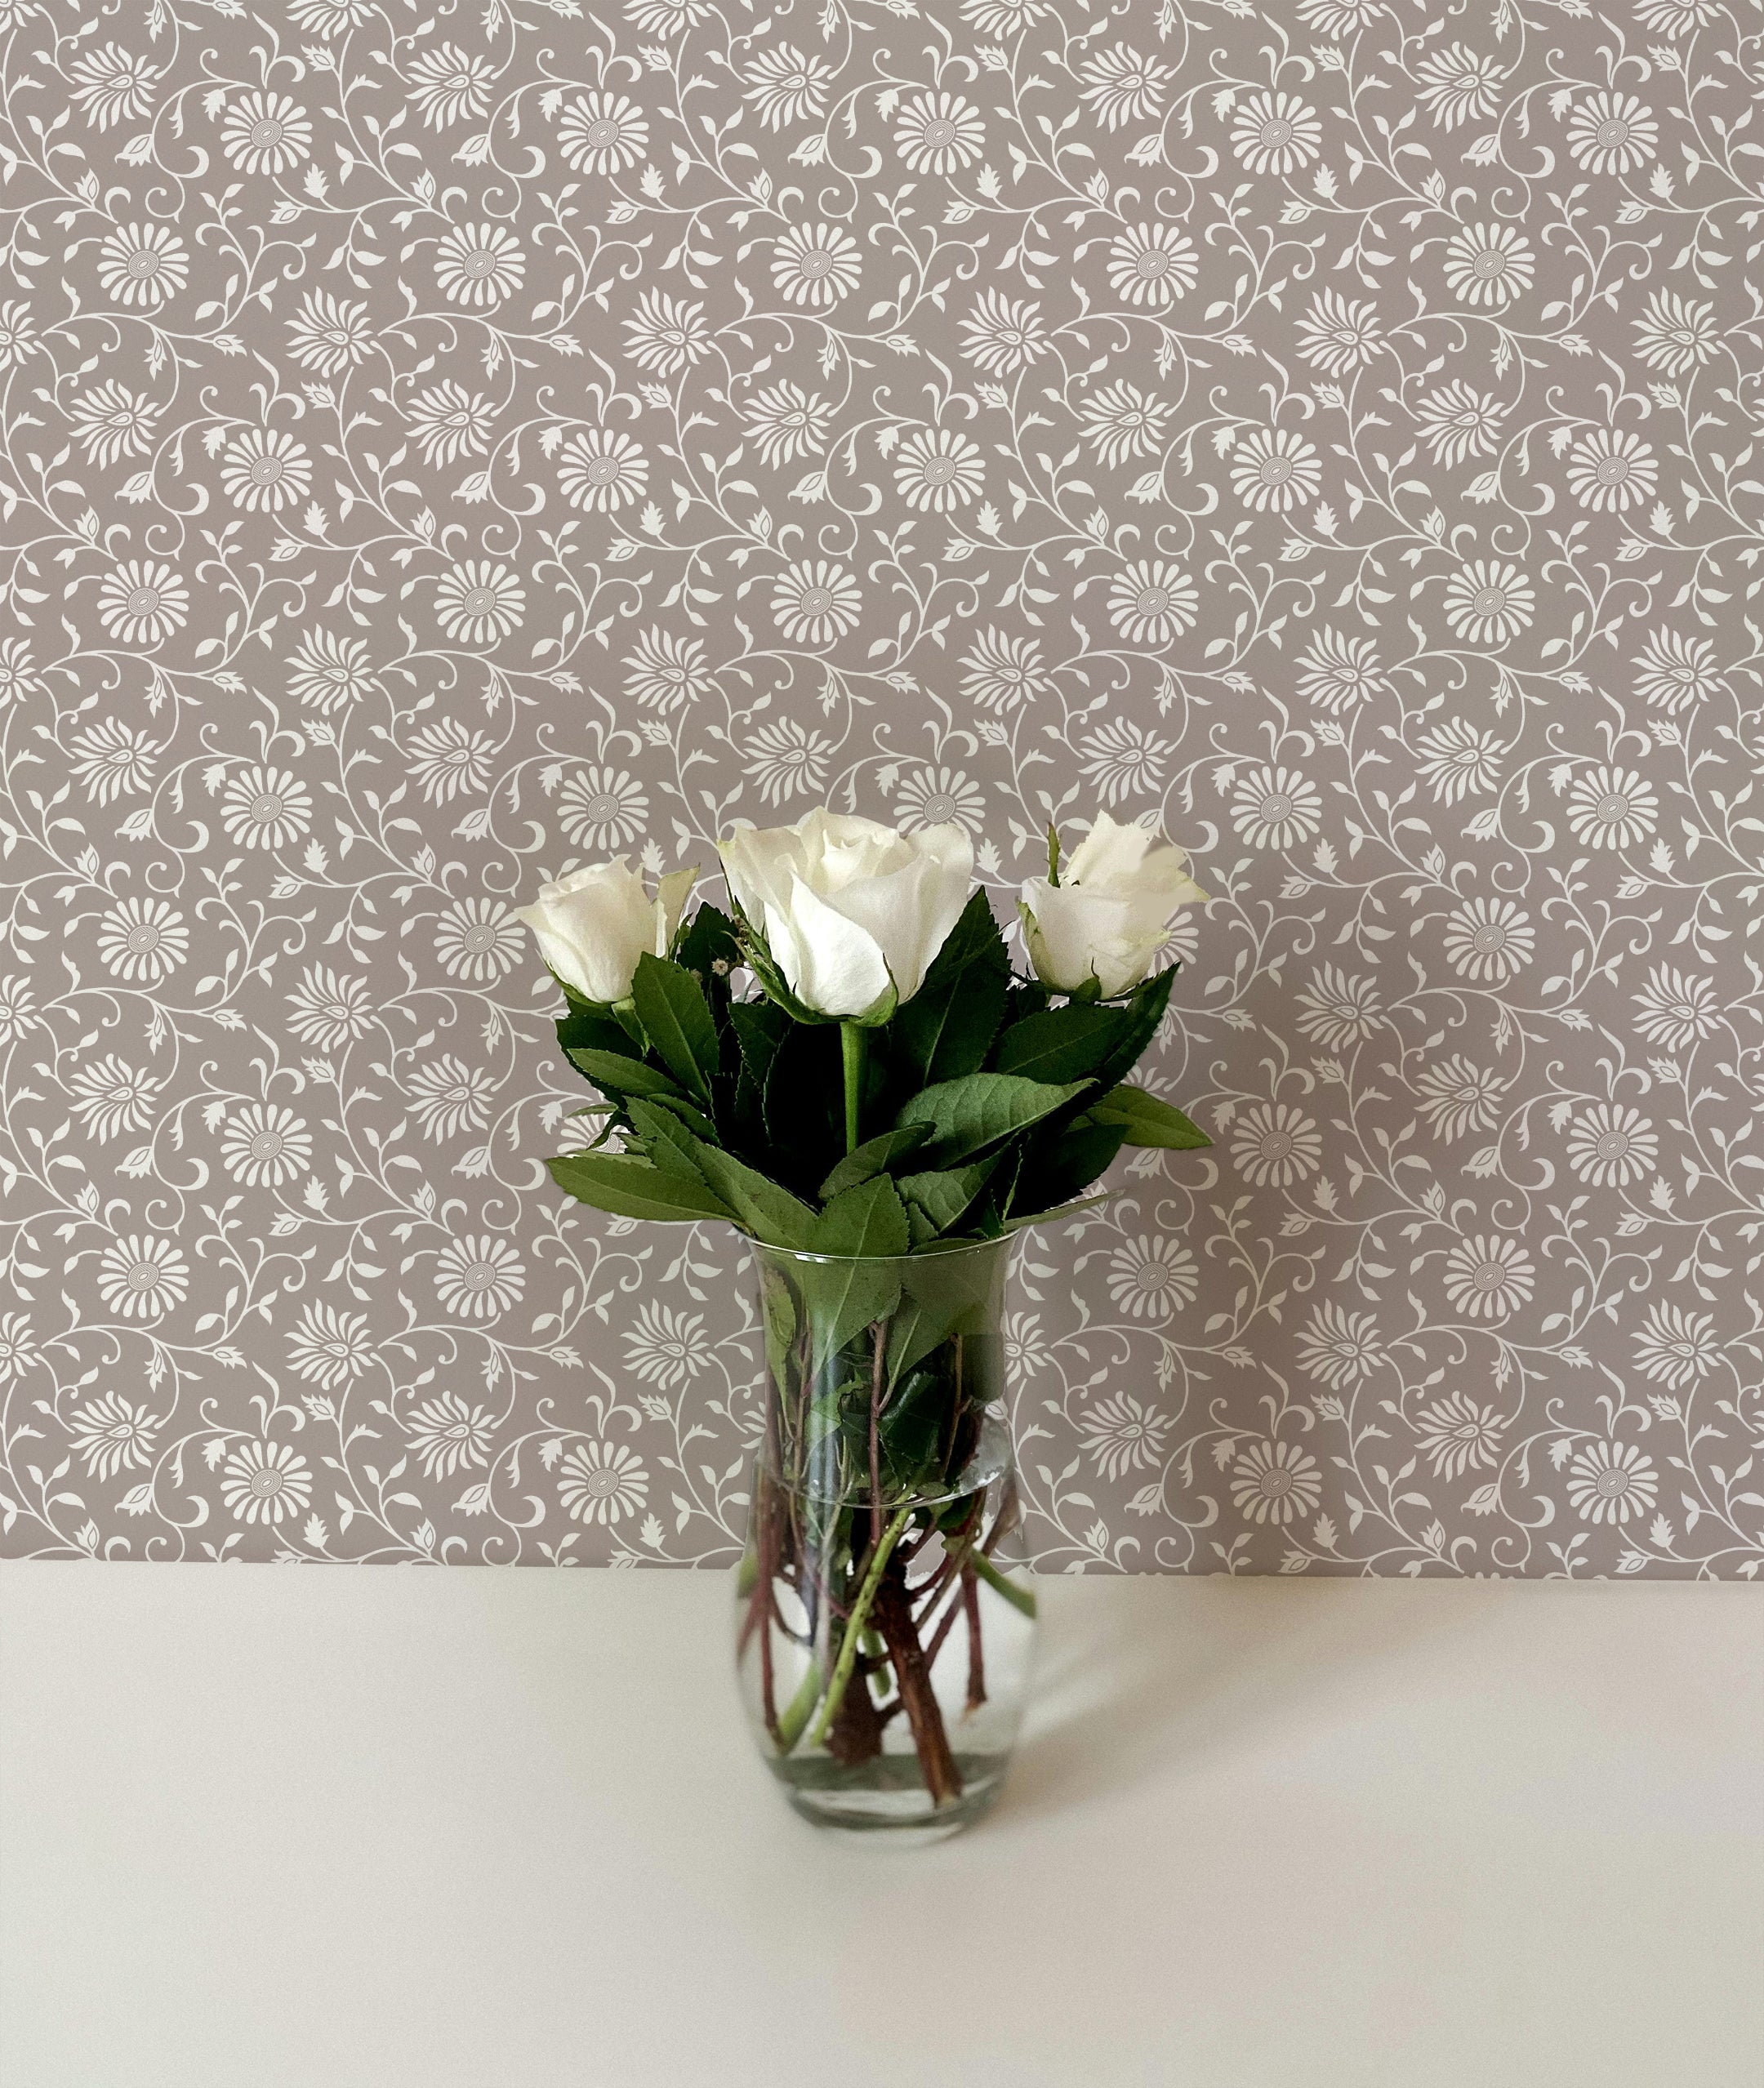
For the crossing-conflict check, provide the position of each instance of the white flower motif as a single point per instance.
(1676, 1348)
(264, 470)
(1338, 1010)
(787, 422)
(1275, 1145)
(331, 1349)
(143, 939)
(1612, 133)
(666, 1347)
(264, 1146)
(1275, 1482)
(1610, 470)
(1489, 265)
(143, 1277)
(939, 797)
(1121, 421)
(667, 336)
(1003, 336)
(602, 1482)
(109, 1097)
(266, 808)
(1676, 334)
(1122, 87)
(1458, 1096)
(330, 1009)
(267, 1482)
(1488, 602)
(816, 265)
(266, 133)
(1122, 1435)
(1610, 1482)
(113, 1435)
(1276, 133)
(143, 264)
(1677, 1010)
(603, 809)
(143, 603)
(784, 760)
(114, 422)
(449, 1437)
(112, 761)
(1004, 670)
(1611, 807)
(1152, 602)
(1458, 421)
(786, 86)
(1275, 469)
(478, 602)
(1275, 808)
(479, 941)
(1612, 1145)
(1456, 1436)
(1489, 939)
(329, 336)
(328, 673)
(602, 469)
(938, 470)
(1339, 335)
(114, 84)
(1341, 1349)
(666, 672)
(1676, 671)
(1458, 83)
(816, 602)
(448, 84)
(1152, 265)
(479, 1277)
(1459, 761)
(939, 133)
(1488, 1277)
(1152, 1278)
(479, 265)
(1339, 673)
(450, 422)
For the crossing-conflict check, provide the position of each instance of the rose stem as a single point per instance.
(879, 1330)
(855, 1624)
(894, 1620)
(970, 1596)
(851, 1042)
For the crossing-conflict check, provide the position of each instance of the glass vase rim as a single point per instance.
(956, 1250)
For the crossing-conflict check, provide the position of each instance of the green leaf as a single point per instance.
(1065, 1044)
(936, 1200)
(619, 1075)
(1068, 1164)
(946, 1029)
(633, 1189)
(1147, 1120)
(873, 1156)
(676, 1019)
(760, 1028)
(945, 1294)
(968, 1114)
(667, 1142)
(868, 1220)
(759, 1206)
(1144, 1010)
(841, 1297)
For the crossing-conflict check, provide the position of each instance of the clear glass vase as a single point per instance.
(884, 1622)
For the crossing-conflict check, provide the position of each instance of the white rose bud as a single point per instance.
(593, 925)
(1111, 912)
(848, 908)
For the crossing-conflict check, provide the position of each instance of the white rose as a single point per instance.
(1111, 912)
(848, 908)
(593, 925)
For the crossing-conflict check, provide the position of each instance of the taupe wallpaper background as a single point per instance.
(445, 445)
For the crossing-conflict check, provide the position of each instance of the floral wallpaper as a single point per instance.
(445, 445)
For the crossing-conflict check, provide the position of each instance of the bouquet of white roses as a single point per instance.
(886, 1103)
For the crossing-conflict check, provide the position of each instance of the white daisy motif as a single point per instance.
(1341, 1349)
(666, 1347)
(1676, 671)
(816, 602)
(1122, 87)
(1276, 133)
(1488, 940)
(1152, 602)
(1275, 808)
(1612, 1145)
(141, 940)
(1275, 1482)
(666, 671)
(938, 470)
(1610, 1482)
(1275, 1146)
(1676, 333)
(479, 601)
(1339, 673)
(602, 1482)
(330, 335)
(264, 470)
(143, 1277)
(816, 265)
(939, 133)
(266, 133)
(1275, 469)
(1339, 335)
(328, 673)
(667, 336)
(1488, 602)
(479, 265)
(143, 264)
(1489, 265)
(602, 469)
(448, 84)
(1488, 1277)
(266, 808)
(1611, 470)
(1611, 133)
(1611, 807)
(1121, 421)
(267, 1482)
(479, 1277)
(143, 603)
(1152, 265)
(603, 809)
(264, 1146)
(1152, 1278)
(1677, 1009)
(1002, 670)
(479, 941)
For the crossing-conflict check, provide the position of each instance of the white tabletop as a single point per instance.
(474, 1829)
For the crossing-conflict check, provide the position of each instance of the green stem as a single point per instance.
(1019, 1598)
(794, 1715)
(855, 1624)
(853, 1040)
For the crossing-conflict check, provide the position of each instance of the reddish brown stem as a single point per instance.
(970, 1596)
(892, 1613)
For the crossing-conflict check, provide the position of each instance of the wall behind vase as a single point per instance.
(442, 449)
